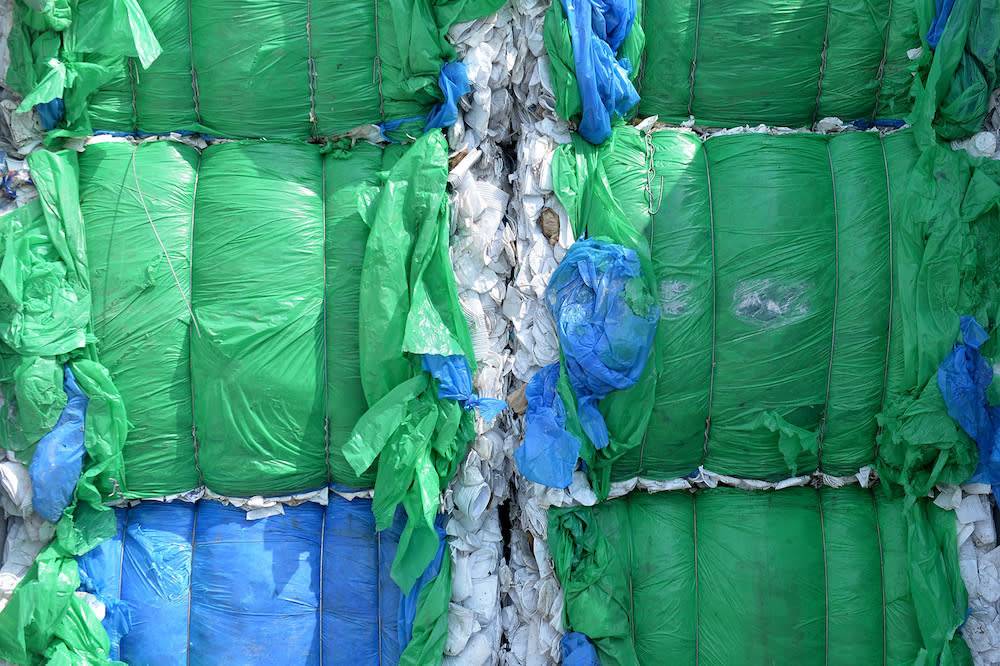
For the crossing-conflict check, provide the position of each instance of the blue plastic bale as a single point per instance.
(606, 320)
(58, 460)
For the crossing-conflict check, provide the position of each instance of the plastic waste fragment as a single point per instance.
(58, 460)
(456, 384)
(549, 452)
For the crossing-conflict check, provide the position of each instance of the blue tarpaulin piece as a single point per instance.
(597, 30)
(51, 112)
(943, 11)
(577, 650)
(199, 583)
(452, 372)
(963, 378)
(606, 320)
(549, 453)
(56, 465)
(408, 603)
(454, 82)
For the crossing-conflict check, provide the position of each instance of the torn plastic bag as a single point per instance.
(455, 381)
(606, 320)
(549, 452)
(963, 378)
(58, 459)
(454, 82)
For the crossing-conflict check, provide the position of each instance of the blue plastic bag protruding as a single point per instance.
(577, 650)
(454, 82)
(606, 320)
(58, 460)
(597, 30)
(51, 112)
(452, 372)
(942, 10)
(963, 377)
(548, 454)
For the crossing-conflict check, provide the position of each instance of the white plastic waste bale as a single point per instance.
(979, 562)
(485, 46)
(531, 79)
(482, 253)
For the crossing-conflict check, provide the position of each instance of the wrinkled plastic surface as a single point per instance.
(846, 59)
(285, 70)
(782, 326)
(138, 202)
(58, 459)
(606, 320)
(455, 383)
(964, 377)
(313, 586)
(762, 577)
(549, 451)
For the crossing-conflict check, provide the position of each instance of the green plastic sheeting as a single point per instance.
(797, 576)
(809, 286)
(141, 299)
(300, 310)
(274, 69)
(850, 59)
(45, 294)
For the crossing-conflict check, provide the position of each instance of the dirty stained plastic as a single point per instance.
(802, 228)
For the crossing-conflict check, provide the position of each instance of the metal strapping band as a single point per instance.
(836, 305)
(694, 60)
(822, 64)
(715, 300)
(892, 287)
(881, 65)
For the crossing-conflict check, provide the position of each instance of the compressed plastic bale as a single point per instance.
(139, 205)
(155, 582)
(713, 595)
(767, 253)
(165, 92)
(360, 603)
(258, 301)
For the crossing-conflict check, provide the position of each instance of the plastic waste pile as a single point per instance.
(649, 119)
(472, 332)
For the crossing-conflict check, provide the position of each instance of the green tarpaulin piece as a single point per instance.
(725, 576)
(806, 284)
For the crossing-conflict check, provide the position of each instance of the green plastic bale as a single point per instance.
(283, 70)
(808, 285)
(847, 59)
(257, 356)
(794, 576)
(139, 205)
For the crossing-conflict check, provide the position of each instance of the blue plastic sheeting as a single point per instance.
(452, 373)
(51, 112)
(201, 584)
(56, 465)
(943, 9)
(577, 650)
(963, 378)
(549, 453)
(606, 321)
(454, 82)
(597, 29)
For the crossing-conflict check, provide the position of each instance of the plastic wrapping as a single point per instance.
(263, 69)
(749, 303)
(851, 60)
(872, 576)
(313, 586)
